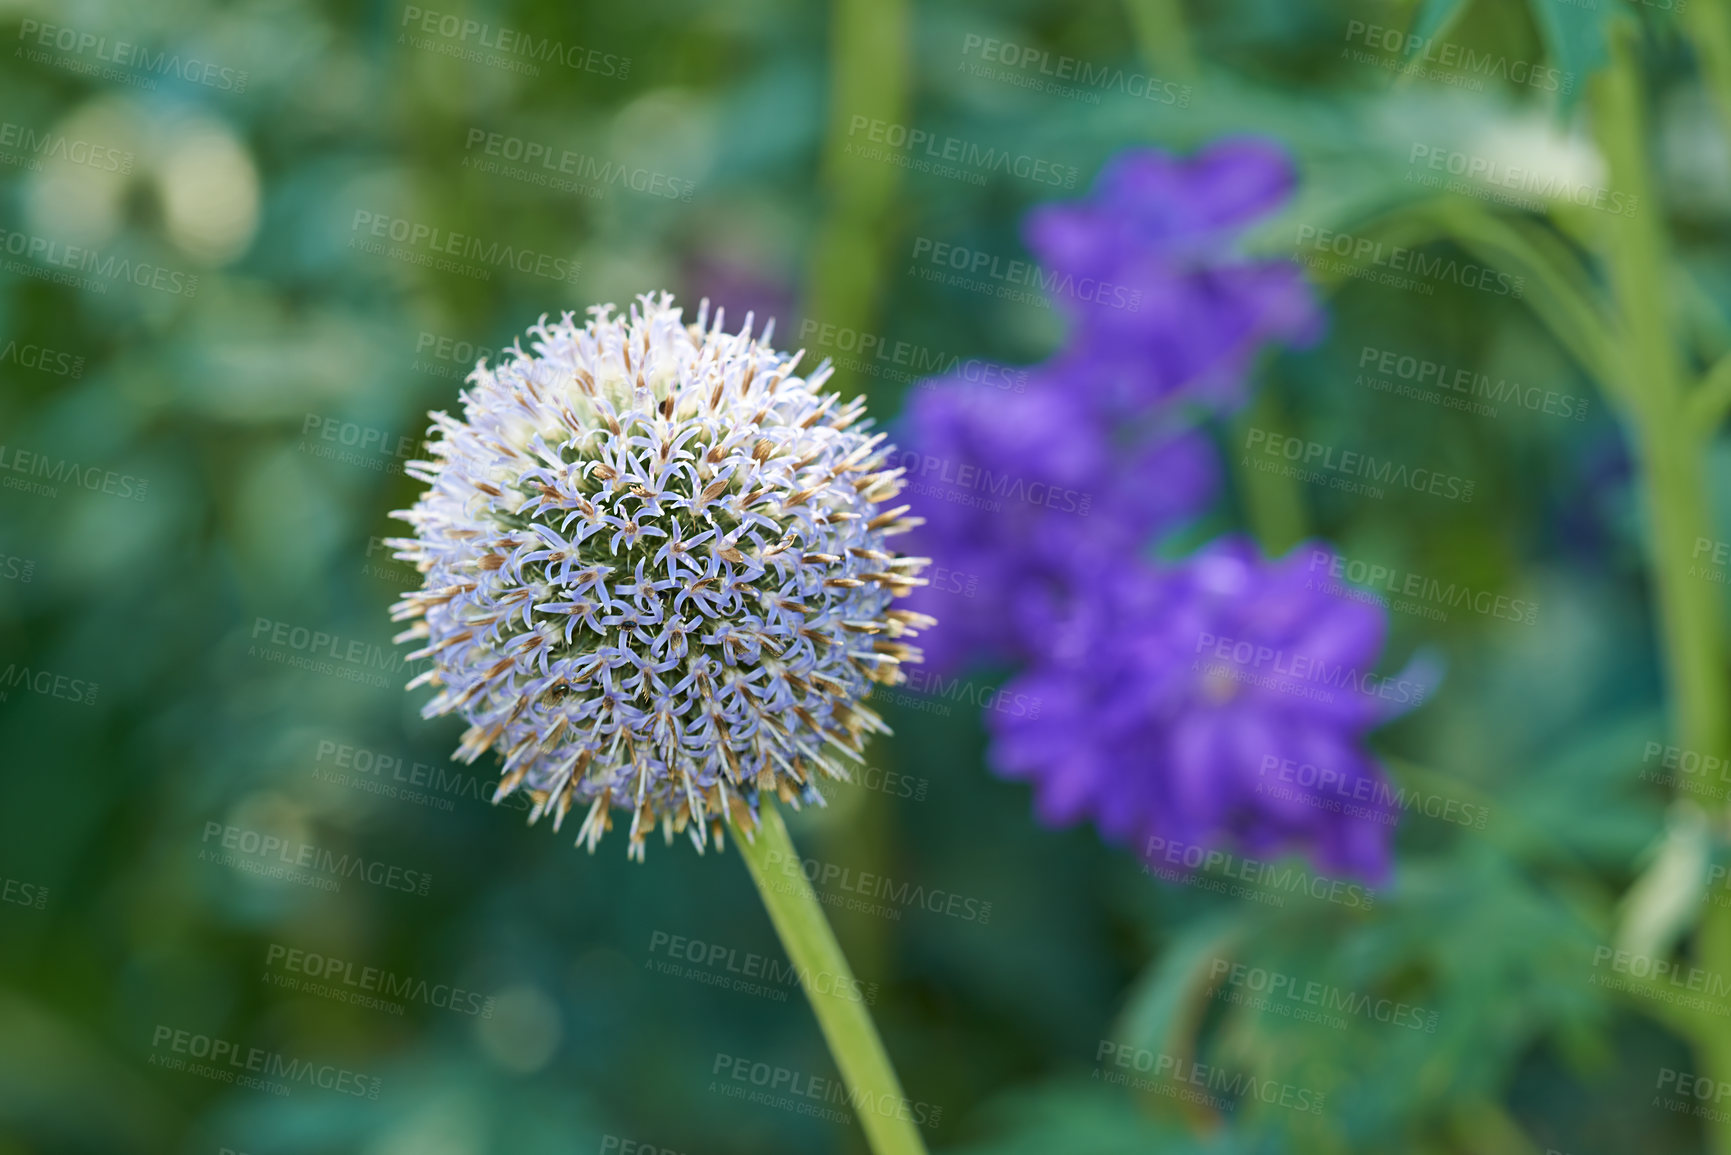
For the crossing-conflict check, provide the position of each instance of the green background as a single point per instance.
(260, 524)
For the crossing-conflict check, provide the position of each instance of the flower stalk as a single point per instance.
(1669, 446)
(812, 948)
(1661, 408)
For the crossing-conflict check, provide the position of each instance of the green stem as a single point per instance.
(1161, 36)
(815, 954)
(1671, 449)
(870, 74)
(848, 278)
(1709, 26)
(1712, 399)
(1272, 503)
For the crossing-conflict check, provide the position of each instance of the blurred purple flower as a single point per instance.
(736, 286)
(1220, 701)
(1163, 303)
(1024, 494)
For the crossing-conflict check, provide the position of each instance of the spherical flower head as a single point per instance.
(1219, 702)
(657, 576)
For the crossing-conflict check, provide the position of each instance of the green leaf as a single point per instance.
(1084, 1118)
(1433, 17)
(1159, 1005)
(1576, 42)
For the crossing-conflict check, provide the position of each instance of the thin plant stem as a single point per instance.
(1162, 37)
(846, 283)
(874, 1091)
(869, 77)
(1671, 448)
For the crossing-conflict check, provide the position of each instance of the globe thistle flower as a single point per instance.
(657, 576)
(1184, 703)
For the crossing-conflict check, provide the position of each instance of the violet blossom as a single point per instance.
(1174, 310)
(1221, 701)
(1024, 493)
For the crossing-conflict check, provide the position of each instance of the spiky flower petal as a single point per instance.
(657, 577)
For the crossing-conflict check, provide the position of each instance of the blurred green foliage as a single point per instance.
(267, 414)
